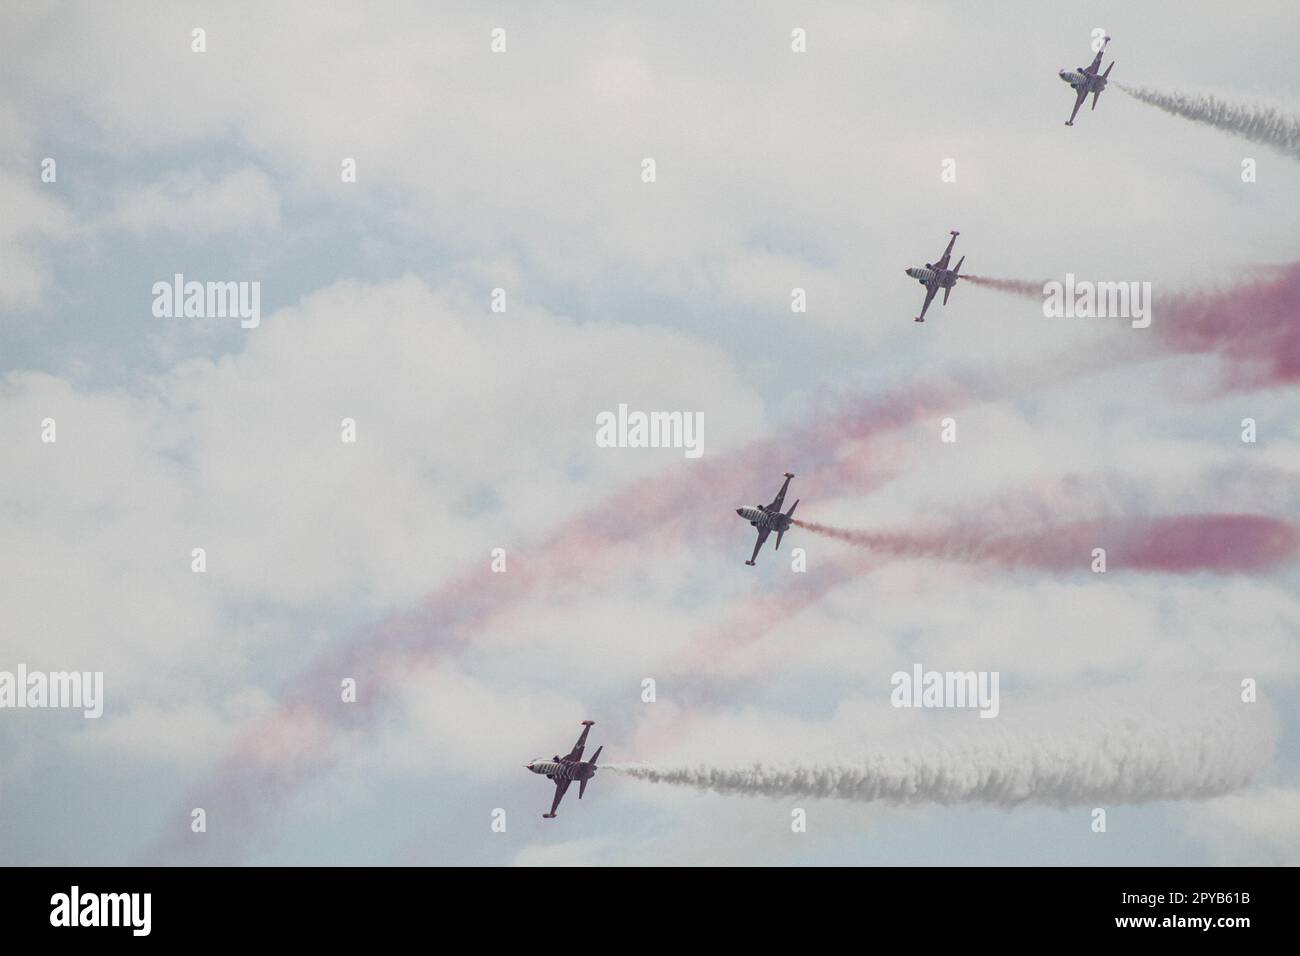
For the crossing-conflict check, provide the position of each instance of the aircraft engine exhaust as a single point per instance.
(1259, 124)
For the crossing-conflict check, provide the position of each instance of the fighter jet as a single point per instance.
(769, 518)
(565, 770)
(1086, 80)
(936, 276)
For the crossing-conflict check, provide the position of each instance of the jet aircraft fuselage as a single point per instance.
(1087, 79)
(936, 275)
(768, 518)
(943, 278)
(565, 770)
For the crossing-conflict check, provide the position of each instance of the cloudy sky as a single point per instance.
(522, 170)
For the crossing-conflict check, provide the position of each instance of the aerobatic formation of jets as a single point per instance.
(564, 770)
(936, 275)
(768, 518)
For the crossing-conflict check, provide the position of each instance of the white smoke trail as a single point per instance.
(1104, 754)
(1259, 124)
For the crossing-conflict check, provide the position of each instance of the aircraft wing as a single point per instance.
(561, 787)
(1093, 67)
(762, 536)
(929, 297)
(779, 500)
(1078, 101)
(947, 254)
(576, 752)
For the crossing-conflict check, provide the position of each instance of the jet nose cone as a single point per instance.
(739, 512)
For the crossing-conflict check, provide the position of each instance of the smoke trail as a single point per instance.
(1254, 325)
(1224, 544)
(1219, 543)
(1033, 290)
(1259, 124)
(1116, 748)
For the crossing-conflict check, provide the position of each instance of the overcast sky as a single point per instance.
(522, 170)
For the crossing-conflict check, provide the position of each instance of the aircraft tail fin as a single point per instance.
(781, 533)
(948, 289)
(582, 784)
(1108, 69)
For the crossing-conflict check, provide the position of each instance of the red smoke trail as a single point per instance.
(1253, 325)
(1179, 544)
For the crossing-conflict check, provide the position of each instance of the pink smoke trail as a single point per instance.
(1253, 325)
(1179, 544)
(1182, 544)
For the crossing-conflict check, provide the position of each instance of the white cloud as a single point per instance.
(243, 458)
(196, 205)
(34, 216)
(1255, 828)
